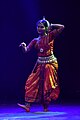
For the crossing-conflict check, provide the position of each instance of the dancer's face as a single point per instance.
(41, 29)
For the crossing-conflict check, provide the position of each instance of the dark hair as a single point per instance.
(44, 22)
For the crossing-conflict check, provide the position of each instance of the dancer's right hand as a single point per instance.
(22, 45)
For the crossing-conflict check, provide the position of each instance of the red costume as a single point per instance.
(42, 84)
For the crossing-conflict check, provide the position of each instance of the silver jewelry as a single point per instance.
(41, 49)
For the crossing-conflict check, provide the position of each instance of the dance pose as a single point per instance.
(42, 84)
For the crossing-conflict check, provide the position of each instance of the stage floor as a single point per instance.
(56, 112)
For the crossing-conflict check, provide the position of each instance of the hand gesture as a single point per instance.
(22, 45)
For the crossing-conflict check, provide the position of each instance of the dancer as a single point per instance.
(42, 84)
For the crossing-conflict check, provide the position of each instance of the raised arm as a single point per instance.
(56, 29)
(58, 26)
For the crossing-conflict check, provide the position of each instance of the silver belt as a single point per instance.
(48, 59)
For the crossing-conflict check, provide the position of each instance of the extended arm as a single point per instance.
(27, 48)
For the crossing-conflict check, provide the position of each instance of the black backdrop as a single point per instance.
(17, 24)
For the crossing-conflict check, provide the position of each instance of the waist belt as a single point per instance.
(48, 59)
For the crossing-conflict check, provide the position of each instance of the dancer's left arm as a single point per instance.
(58, 28)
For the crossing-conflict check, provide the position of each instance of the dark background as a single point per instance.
(17, 24)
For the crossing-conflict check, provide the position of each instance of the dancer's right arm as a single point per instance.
(27, 48)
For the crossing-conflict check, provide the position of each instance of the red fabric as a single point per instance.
(42, 83)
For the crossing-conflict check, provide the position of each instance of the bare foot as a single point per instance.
(46, 110)
(24, 106)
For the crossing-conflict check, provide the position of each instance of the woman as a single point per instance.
(42, 84)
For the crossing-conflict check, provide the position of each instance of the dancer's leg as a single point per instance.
(45, 105)
(26, 106)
